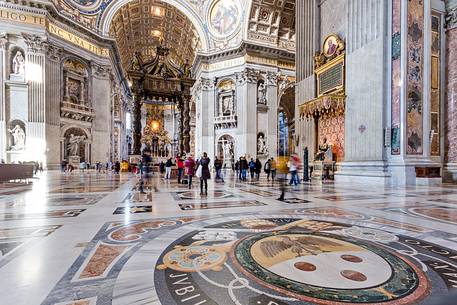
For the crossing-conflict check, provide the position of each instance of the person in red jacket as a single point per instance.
(189, 164)
(180, 164)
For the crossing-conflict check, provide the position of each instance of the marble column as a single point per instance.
(35, 75)
(3, 68)
(100, 148)
(246, 89)
(136, 123)
(52, 107)
(205, 115)
(450, 168)
(186, 124)
(272, 103)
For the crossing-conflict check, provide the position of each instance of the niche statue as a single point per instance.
(18, 63)
(18, 138)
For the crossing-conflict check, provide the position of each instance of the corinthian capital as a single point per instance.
(3, 40)
(451, 18)
(100, 71)
(53, 52)
(34, 43)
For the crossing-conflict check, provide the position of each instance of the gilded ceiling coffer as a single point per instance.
(156, 81)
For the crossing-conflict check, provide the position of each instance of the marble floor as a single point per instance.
(94, 239)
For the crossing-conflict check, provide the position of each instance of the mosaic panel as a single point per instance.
(220, 205)
(415, 86)
(256, 260)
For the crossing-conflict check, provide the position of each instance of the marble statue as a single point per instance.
(228, 150)
(73, 144)
(18, 137)
(18, 63)
(226, 105)
(261, 94)
(325, 152)
(261, 145)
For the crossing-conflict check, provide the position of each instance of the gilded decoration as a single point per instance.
(329, 105)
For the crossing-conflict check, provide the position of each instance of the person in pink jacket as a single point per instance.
(189, 164)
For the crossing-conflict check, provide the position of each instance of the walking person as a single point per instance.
(117, 167)
(180, 164)
(168, 166)
(267, 169)
(218, 167)
(237, 169)
(190, 168)
(243, 168)
(252, 168)
(258, 168)
(293, 169)
(273, 169)
(205, 173)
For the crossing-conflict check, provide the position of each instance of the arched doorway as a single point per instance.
(225, 149)
(286, 122)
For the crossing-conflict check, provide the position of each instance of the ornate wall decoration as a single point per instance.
(332, 128)
(273, 22)
(396, 77)
(415, 85)
(226, 105)
(224, 17)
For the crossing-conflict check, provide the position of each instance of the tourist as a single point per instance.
(205, 173)
(180, 164)
(190, 168)
(273, 169)
(168, 166)
(218, 167)
(117, 167)
(2, 162)
(162, 167)
(293, 169)
(63, 165)
(258, 168)
(243, 168)
(82, 166)
(252, 168)
(237, 169)
(267, 168)
(139, 170)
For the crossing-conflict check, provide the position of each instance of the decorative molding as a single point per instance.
(207, 84)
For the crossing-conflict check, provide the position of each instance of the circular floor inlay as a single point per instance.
(351, 258)
(354, 275)
(304, 266)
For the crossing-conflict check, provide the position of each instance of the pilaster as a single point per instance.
(272, 103)
(205, 115)
(3, 68)
(35, 77)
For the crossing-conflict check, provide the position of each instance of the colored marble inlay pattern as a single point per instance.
(450, 148)
(332, 127)
(396, 77)
(220, 205)
(415, 83)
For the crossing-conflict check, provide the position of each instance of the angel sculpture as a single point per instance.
(302, 245)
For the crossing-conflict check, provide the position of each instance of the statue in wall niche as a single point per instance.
(261, 145)
(228, 150)
(73, 144)
(226, 105)
(18, 138)
(186, 69)
(18, 63)
(262, 94)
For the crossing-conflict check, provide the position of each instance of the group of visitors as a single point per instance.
(108, 166)
(242, 166)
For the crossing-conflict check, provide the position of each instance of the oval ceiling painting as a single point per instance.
(224, 17)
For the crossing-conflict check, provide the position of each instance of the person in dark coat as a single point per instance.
(252, 168)
(206, 174)
(218, 168)
(258, 168)
(243, 168)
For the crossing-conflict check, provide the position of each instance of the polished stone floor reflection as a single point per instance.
(94, 239)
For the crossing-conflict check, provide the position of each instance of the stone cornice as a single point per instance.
(246, 48)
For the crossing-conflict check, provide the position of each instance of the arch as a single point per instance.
(185, 8)
(65, 128)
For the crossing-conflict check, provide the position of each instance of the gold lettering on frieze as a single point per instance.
(20, 17)
(224, 64)
(76, 40)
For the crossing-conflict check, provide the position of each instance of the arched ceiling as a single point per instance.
(266, 22)
(141, 24)
(273, 22)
